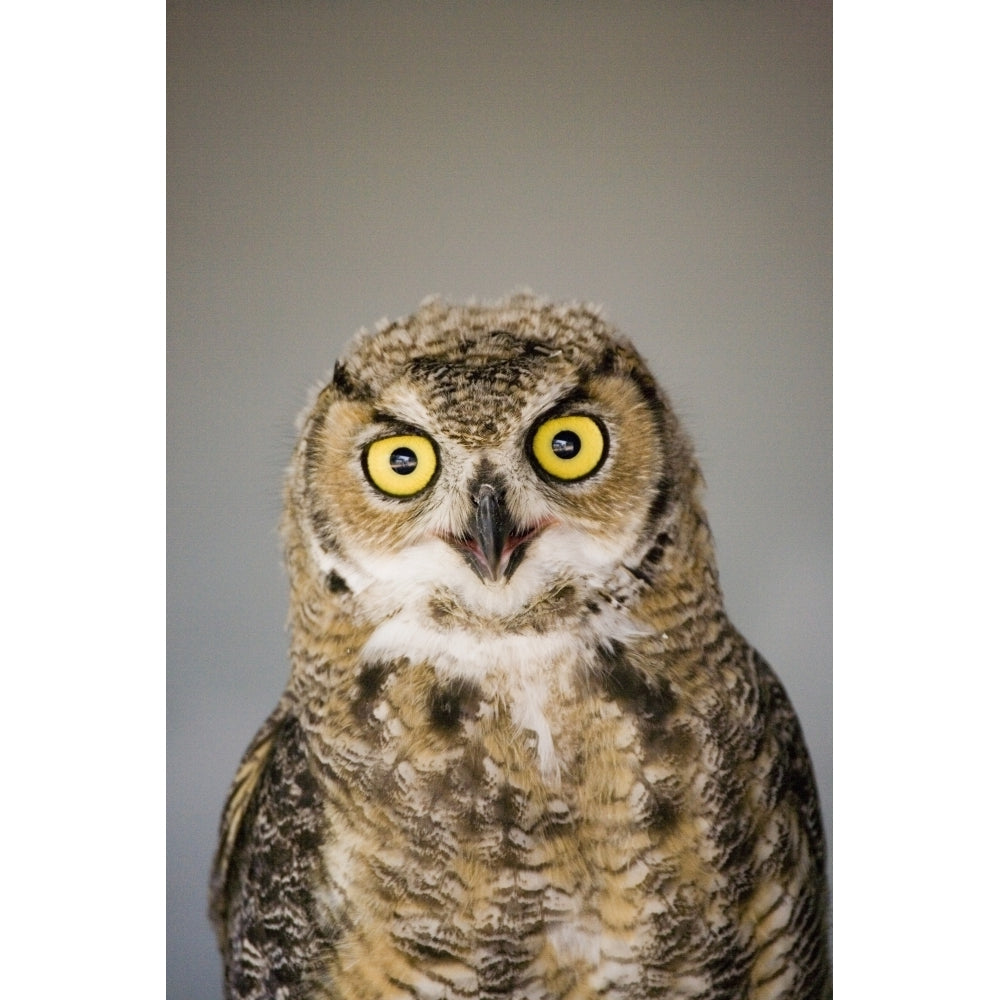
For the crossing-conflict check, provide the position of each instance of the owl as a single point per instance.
(522, 752)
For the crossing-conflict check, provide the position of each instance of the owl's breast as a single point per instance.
(501, 822)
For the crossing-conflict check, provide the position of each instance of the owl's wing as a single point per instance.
(798, 783)
(263, 877)
(791, 925)
(255, 759)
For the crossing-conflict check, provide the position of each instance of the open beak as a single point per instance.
(494, 545)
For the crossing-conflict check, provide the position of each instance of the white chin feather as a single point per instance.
(406, 579)
(521, 669)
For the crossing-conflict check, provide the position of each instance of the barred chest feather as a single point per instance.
(507, 819)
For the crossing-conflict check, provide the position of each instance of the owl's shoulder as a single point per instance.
(795, 786)
(255, 760)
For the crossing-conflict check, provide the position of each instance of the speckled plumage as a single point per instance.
(523, 752)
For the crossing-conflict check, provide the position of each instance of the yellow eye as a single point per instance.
(402, 465)
(569, 447)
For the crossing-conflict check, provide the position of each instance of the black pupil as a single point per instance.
(566, 444)
(402, 461)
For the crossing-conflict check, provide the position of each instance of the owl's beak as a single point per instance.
(494, 544)
(491, 526)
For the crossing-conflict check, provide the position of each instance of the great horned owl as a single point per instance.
(522, 752)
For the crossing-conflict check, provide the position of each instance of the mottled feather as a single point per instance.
(523, 752)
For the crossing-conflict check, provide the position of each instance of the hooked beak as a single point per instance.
(494, 546)
(491, 528)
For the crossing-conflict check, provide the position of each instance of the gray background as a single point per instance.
(333, 163)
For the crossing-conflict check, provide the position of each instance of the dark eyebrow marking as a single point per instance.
(570, 401)
(395, 423)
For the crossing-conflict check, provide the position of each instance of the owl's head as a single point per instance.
(495, 461)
